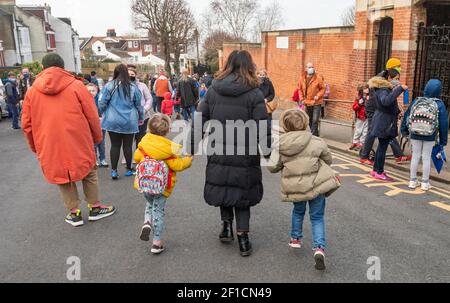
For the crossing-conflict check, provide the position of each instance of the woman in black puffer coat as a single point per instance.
(233, 175)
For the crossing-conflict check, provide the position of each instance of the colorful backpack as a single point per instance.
(152, 176)
(424, 117)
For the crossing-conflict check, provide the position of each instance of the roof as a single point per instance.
(119, 53)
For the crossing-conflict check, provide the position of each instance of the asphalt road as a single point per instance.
(408, 235)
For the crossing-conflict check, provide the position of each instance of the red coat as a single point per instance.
(167, 105)
(61, 124)
(360, 110)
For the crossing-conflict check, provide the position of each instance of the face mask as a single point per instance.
(133, 79)
(395, 82)
(311, 71)
(26, 76)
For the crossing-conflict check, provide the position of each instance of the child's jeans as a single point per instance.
(177, 109)
(361, 129)
(154, 214)
(100, 149)
(316, 213)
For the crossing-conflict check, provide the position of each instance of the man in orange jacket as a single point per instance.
(60, 122)
(311, 91)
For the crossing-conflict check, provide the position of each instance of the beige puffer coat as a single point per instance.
(304, 161)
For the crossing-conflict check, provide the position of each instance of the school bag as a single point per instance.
(424, 117)
(152, 176)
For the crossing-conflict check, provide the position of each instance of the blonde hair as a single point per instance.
(159, 125)
(294, 120)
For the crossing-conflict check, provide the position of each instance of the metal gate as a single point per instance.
(384, 49)
(433, 59)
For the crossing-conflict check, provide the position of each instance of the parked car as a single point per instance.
(3, 110)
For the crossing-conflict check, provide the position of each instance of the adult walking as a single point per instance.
(26, 80)
(187, 91)
(311, 91)
(146, 102)
(233, 174)
(161, 87)
(60, 122)
(122, 113)
(385, 120)
(266, 87)
(12, 99)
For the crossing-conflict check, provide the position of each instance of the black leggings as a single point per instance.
(242, 217)
(117, 141)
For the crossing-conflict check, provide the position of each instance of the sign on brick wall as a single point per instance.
(283, 42)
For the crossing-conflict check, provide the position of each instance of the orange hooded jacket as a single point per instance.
(61, 124)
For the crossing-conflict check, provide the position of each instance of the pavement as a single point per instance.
(407, 231)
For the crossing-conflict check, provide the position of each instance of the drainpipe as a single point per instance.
(16, 29)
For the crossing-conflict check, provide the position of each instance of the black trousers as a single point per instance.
(242, 216)
(142, 132)
(117, 142)
(370, 141)
(159, 101)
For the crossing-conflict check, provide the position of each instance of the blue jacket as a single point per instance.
(12, 95)
(432, 90)
(385, 119)
(121, 114)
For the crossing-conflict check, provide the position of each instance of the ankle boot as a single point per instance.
(227, 236)
(244, 245)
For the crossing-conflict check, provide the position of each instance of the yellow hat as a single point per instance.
(393, 62)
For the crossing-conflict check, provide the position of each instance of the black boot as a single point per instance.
(227, 236)
(244, 245)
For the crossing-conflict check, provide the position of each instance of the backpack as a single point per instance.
(424, 117)
(152, 176)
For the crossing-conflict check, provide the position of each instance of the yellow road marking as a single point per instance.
(441, 205)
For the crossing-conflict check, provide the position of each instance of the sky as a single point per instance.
(94, 17)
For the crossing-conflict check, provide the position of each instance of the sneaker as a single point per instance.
(353, 146)
(97, 164)
(101, 212)
(373, 173)
(413, 184)
(156, 250)
(426, 186)
(114, 175)
(103, 163)
(296, 244)
(319, 258)
(383, 177)
(366, 162)
(75, 219)
(404, 159)
(130, 173)
(146, 231)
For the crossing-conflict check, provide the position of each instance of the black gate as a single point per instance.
(384, 48)
(433, 59)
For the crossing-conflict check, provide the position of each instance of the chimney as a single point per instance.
(110, 33)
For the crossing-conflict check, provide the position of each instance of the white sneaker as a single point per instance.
(426, 186)
(413, 184)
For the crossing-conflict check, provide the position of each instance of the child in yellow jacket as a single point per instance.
(156, 146)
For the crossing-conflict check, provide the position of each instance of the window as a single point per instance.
(148, 48)
(136, 44)
(99, 49)
(130, 44)
(51, 42)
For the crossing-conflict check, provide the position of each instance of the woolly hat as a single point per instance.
(393, 62)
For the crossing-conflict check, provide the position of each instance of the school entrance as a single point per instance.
(433, 50)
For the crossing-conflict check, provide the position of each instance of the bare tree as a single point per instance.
(182, 32)
(237, 15)
(171, 21)
(348, 18)
(212, 44)
(269, 18)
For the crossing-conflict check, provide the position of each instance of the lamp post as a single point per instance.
(196, 34)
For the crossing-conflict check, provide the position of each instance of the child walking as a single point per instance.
(159, 160)
(167, 105)
(426, 122)
(307, 178)
(361, 126)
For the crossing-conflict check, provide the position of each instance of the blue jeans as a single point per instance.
(154, 103)
(317, 214)
(189, 112)
(14, 113)
(101, 148)
(154, 214)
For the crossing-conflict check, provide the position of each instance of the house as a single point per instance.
(67, 43)
(415, 31)
(15, 35)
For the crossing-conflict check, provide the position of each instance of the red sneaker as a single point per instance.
(366, 162)
(403, 159)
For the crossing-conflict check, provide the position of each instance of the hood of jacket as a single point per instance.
(433, 89)
(163, 78)
(293, 143)
(230, 86)
(168, 96)
(53, 81)
(379, 82)
(159, 148)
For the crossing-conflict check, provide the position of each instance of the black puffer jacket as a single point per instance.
(234, 180)
(188, 93)
(268, 89)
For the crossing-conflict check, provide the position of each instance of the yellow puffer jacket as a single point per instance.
(162, 149)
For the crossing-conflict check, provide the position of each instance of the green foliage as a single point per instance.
(35, 67)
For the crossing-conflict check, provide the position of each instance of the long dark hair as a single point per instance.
(123, 79)
(240, 64)
(390, 73)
